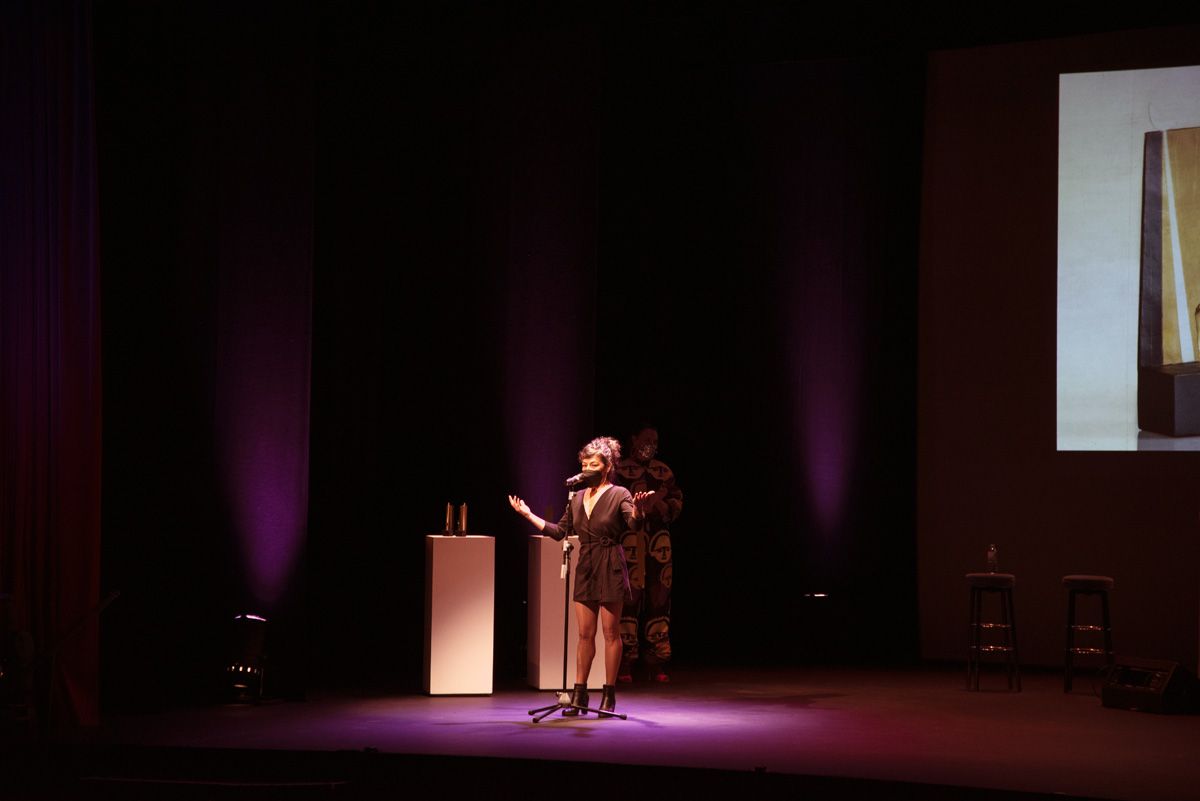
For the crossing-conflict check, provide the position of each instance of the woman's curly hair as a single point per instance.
(606, 448)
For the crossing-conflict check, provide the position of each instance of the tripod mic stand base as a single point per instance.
(601, 713)
(545, 711)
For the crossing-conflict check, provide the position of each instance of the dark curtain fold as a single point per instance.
(205, 141)
(50, 399)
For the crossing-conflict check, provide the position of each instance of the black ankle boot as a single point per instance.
(579, 697)
(608, 702)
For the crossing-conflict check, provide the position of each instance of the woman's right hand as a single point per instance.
(519, 506)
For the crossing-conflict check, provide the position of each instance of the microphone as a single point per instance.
(580, 478)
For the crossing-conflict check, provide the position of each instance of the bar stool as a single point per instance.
(1000, 584)
(1078, 585)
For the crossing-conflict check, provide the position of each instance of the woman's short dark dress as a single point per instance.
(600, 573)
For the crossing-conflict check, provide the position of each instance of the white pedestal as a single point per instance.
(460, 593)
(545, 629)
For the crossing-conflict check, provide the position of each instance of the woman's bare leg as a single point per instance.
(610, 624)
(585, 651)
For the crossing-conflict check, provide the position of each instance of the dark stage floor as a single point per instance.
(812, 732)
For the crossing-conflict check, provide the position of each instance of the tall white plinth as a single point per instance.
(545, 625)
(460, 601)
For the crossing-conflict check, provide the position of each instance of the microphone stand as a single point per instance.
(565, 695)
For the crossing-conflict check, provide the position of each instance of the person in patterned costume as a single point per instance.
(646, 617)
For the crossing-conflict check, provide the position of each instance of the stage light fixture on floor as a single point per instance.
(245, 674)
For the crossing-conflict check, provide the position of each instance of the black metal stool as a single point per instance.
(1086, 585)
(1002, 585)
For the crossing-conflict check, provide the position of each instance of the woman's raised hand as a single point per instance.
(639, 500)
(519, 506)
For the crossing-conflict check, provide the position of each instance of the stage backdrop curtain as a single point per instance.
(50, 351)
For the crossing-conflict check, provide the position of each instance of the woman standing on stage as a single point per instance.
(599, 515)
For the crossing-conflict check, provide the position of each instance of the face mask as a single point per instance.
(593, 479)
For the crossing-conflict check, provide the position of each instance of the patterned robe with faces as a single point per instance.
(646, 618)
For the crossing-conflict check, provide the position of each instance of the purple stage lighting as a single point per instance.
(262, 392)
(826, 356)
(264, 435)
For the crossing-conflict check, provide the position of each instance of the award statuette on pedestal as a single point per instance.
(1168, 393)
(461, 531)
(452, 528)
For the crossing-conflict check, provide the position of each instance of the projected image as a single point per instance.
(1168, 396)
(1129, 260)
